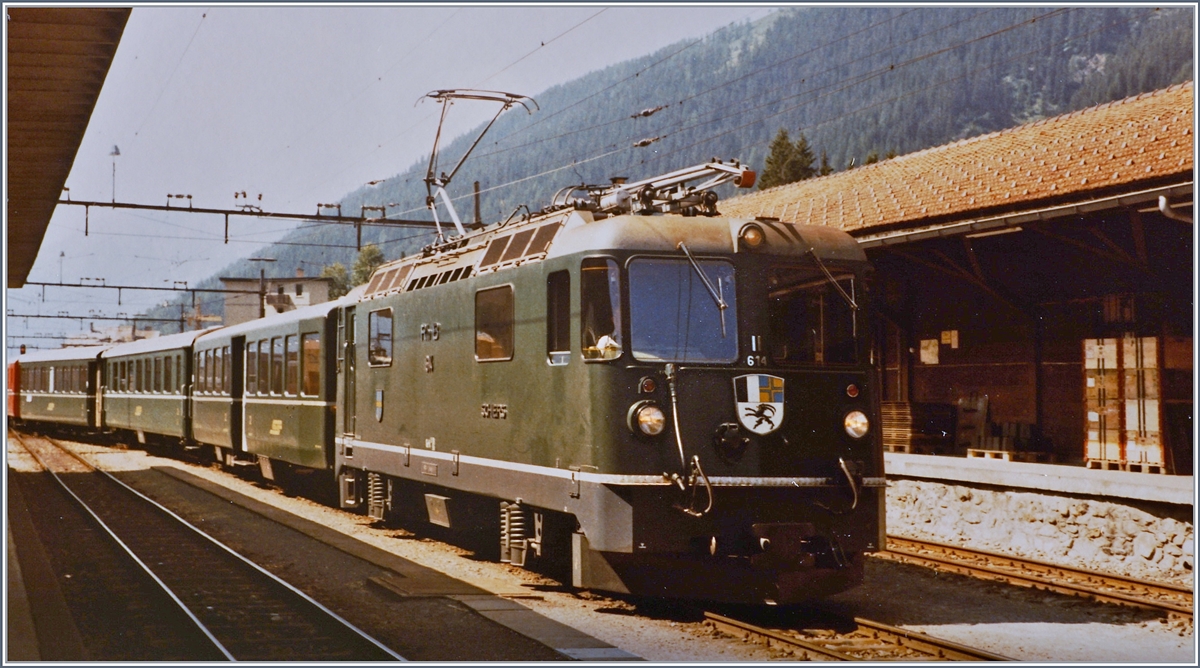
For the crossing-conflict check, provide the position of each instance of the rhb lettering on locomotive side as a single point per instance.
(494, 411)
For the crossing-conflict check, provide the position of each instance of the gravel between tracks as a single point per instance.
(1017, 623)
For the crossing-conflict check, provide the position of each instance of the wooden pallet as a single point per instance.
(910, 448)
(1010, 455)
(1104, 464)
(915, 428)
(1138, 467)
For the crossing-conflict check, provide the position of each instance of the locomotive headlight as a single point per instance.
(647, 418)
(752, 236)
(856, 424)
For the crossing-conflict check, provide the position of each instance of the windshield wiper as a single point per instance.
(832, 280)
(721, 305)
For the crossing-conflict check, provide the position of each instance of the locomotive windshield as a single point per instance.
(810, 322)
(674, 318)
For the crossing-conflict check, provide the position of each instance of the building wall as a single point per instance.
(241, 308)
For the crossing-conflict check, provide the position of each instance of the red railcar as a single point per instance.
(14, 391)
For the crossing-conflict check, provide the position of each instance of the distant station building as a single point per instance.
(281, 294)
(1036, 285)
(108, 335)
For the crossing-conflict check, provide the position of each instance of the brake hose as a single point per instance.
(696, 470)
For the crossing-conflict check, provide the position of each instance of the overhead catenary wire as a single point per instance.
(862, 78)
(536, 49)
(422, 120)
(622, 117)
(171, 77)
(846, 114)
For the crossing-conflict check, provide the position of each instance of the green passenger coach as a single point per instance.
(59, 386)
(146, 387)
(264, 389)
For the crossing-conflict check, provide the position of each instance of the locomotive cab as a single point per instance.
(742, 416)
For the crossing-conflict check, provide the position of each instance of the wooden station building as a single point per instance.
(1037, 285)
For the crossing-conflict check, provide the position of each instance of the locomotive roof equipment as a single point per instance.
(435, 184)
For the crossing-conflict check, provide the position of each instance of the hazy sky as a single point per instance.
(301, 104)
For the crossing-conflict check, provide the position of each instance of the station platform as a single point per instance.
(1052, 478)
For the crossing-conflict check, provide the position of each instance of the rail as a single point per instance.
(1101, 587)
(220, 590)
(868, 641)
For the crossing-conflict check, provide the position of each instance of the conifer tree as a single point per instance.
(825, 169)
(775, 169)
(800, 167)
(787, 162)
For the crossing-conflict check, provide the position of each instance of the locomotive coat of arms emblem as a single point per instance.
(759, 401)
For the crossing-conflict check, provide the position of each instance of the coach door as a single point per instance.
(94, 392)
(348, 368)
(237, 389)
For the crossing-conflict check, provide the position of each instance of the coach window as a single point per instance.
(600, 301)
(167, 387)
(379, 346)
(251, 368)
(226, 371)
(558, 317)
(158, 364)
(291, 369)
(219, 370)
(494, 324)
(310, 364)
(214, 374)
(276, 365)
(264, 366)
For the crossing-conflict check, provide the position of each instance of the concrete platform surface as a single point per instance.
(1172, 489)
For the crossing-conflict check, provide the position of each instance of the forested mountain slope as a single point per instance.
(853, 80)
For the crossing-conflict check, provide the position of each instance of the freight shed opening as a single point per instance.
(1036, 285)
(1070, 337)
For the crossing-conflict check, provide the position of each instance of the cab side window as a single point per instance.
(494, 324)
(600, 300)
(558, 317)
(379, 346)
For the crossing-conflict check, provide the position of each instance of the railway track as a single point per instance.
(244, 611)
(1171, 599)
(864, 640)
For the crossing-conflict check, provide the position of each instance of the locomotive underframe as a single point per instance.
(631, 529)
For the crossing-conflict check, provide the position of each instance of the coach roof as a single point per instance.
(156, 344)
(63, 354)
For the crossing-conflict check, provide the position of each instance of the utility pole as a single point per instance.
(262, 285)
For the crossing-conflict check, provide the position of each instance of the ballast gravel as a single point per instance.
(1011, 621)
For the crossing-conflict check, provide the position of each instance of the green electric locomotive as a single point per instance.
(673, 402)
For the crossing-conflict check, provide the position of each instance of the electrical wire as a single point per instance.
(537, 48)
(845, 114)
(175, 69)
(862, 78)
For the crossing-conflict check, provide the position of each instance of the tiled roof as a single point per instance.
(1143, 139)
